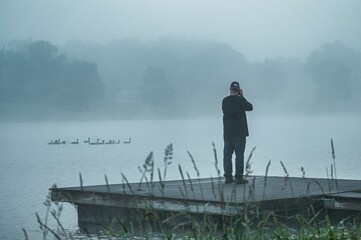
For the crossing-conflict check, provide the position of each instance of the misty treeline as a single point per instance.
(37, 73)
(187, 77)
(175, 78)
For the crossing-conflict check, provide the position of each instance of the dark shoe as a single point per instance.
(241, 181)
(229, 180)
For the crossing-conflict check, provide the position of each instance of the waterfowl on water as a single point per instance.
(110, 142)
(94, 143)
(98, 142)
(56, 142)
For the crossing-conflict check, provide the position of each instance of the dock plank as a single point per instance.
(280, 195)
(212, 189)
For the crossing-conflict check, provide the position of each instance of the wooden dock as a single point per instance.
(100, 206)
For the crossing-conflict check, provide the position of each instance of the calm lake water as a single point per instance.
(29, 167)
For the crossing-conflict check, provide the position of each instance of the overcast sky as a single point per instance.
(258, 29)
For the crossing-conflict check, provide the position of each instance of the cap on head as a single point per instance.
(235, 85)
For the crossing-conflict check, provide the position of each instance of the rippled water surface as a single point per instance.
(29, 166)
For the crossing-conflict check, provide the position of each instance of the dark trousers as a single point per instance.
(238, 146)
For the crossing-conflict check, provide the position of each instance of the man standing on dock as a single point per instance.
(235, 131)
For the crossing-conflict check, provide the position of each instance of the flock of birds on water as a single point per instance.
(88, 141)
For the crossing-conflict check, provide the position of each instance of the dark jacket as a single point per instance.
(234, 116)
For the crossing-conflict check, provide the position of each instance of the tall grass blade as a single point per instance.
(194, 163)
(285, 170)
(162, 185)
(248, 169)
(265, 179)
(53, 213)
(128, 184)
(213, 188)
(81, 181)
(216, 160)
(190, 182)
(303, 172)
(168, 156)
(44, 226)
(147, 167)
(25, 234)
(183, 179)
(334, 162)
(106, 182)
(197, 172)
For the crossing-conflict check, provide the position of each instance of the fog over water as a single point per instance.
(259, 29)
(155, 59)
(156, 71)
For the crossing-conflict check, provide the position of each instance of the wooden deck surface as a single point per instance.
(259, 188)
(285, 197)
(213, 191)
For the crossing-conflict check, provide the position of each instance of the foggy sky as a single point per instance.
(258, 29)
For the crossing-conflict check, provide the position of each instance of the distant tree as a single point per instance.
(156, 88)
(38, 73)
(12, 72)
(335, 69)
(86, 85)
(41, 51)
